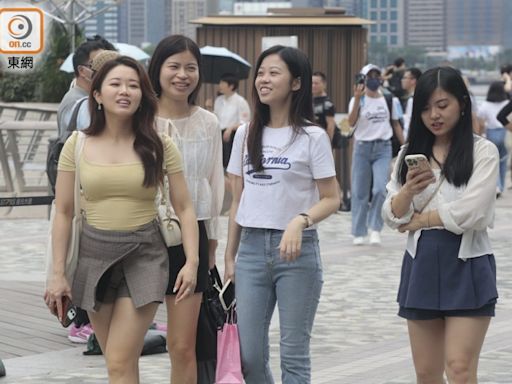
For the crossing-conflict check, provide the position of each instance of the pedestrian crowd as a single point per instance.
(427, 161)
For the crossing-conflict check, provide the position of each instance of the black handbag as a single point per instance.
(211, 318)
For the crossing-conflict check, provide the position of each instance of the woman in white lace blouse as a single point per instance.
(175, 76)
(447, 287)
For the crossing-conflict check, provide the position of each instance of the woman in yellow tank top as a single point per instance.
(122, 271)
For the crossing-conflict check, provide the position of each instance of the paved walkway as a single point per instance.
(357, 336)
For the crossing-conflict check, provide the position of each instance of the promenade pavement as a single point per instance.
(357, 337)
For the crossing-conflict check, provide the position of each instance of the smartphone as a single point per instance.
(69, 312)
(417, 161)
(360, 78)
(227, 295)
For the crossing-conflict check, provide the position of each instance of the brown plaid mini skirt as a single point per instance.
(144, 259)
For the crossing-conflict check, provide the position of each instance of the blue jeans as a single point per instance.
(497, 136)
(370, 173)
(262, 279)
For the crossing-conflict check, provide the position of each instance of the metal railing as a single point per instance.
(24, 133)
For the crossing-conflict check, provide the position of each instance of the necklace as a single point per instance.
(439, 164)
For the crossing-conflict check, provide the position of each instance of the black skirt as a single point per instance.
(436, 279)
(177, 260)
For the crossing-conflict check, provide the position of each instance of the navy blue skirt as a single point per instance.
(436, 279)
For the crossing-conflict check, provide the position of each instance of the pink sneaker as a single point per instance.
(79, 334)
(158, 326)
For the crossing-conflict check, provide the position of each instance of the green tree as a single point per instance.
(413, 56)
(17, 87)
(52, 82)
(378, 53)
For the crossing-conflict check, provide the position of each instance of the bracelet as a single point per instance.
(308, 220)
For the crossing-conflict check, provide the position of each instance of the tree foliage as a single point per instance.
(52, 82)
(46, 83)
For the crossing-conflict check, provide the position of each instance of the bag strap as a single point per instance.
(79, 146)
(441, 180)
(243, 148)
(361, 104)
(164, 192)
(74, 117)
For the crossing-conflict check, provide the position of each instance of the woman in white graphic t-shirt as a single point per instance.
(283, 180)
(370, 112)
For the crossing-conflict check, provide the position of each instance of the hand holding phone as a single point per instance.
(227, 295)
(417, 161)
(68, 312)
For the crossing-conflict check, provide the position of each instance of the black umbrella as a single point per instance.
(217, 61)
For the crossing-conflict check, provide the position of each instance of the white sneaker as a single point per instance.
(358, 240)
(374, 237)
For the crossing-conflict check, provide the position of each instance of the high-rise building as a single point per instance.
(425, 24)
(476, 22)
(143, 21)
(182, 11)
(104, 24)
(388, 16)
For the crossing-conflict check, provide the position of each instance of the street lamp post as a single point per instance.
(74, 12)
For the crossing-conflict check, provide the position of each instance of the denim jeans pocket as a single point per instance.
(310, 252)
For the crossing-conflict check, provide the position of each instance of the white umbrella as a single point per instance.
(124, 49)
(219, 60)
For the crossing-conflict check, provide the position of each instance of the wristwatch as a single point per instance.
(307, 220)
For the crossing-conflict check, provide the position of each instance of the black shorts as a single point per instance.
(428, 314)
(177, 260)
(226, 149)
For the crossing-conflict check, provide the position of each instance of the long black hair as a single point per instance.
(459, 162)
(301, 109)
(147, 143)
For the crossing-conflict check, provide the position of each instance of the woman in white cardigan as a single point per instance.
(447, 289)
(175, 74)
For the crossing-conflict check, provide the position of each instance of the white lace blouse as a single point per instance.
(198, 137)
(466, 210)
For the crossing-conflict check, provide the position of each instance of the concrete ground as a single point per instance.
(357, 337)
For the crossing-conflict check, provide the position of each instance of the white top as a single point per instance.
(286, 186)
(373, 120)
(466, 210)
(489, 110)
(407, 116)
(199, 140)
(232, 110)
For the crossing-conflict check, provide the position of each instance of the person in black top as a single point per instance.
(323, 107)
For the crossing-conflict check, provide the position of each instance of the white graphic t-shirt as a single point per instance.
(373, 121)
(286, 186)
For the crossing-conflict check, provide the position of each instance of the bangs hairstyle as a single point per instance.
(147, 143)
(169, 46)
(301, 108)
(458, 165)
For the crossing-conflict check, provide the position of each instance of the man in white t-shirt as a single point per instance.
(374, 121)
(232, 110)
(409, 79)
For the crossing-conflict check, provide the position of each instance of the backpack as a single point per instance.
(395, 83)
(395, 144)
(55, 147)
